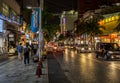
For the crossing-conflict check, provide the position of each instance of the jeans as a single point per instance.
(26, 59)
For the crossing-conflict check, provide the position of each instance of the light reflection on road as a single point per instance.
(72, 54)
(66, 55)
(85, 68)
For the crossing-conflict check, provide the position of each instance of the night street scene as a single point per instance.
(59, 41)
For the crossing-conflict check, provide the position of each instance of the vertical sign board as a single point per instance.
(1, 25)
(35, 20)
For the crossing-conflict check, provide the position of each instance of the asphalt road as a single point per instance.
(55, 73)
(85, 68)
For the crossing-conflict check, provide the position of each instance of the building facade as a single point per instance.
(10, 25)
(85, 5)
(67, 20)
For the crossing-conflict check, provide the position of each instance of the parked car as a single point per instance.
(83, 48)
(107, 50)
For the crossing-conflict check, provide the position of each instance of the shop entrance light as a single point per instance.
(29, 7)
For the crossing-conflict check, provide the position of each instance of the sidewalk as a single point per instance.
(13, 71)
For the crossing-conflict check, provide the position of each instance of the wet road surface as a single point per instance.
(85, 68)
(55, 73)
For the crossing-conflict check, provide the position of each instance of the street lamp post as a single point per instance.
(40, 28)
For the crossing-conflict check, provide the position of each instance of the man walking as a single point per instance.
(26, 54)
(20, 50)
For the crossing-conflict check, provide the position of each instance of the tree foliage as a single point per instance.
(49, 26)
(117, 29)
(90, 27)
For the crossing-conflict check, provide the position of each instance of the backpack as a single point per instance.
(26, 50)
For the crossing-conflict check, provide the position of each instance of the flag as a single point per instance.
(35, 19)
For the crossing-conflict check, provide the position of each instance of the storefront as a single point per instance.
(13, 37)
(113, 38)
(3, 38)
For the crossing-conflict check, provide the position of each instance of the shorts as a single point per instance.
(20, 56)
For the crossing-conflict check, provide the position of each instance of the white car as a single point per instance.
(83, 48)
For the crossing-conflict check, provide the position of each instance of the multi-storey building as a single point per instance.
(67, 20)
(9, 25)
(110, 20)
(85, 5)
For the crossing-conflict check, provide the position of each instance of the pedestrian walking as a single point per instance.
(26, 54)
(20, 51)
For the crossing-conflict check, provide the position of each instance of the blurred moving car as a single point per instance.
(60, 47)
(55, 47)
(51, 46)
(107, 50)
(71, 46)
(83, 48)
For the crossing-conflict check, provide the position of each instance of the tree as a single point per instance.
(90, 27)
(49, 25)
(93, 29)
(117, 29)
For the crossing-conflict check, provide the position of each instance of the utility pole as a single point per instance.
(40, 3)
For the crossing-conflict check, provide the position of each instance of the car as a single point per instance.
(83, 48)
(61, 47)
(51, 47)
(107, 50)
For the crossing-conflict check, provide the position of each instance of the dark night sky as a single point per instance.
(54, 6)
(57, 6)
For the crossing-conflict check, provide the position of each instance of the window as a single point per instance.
(5, 10)
(13, 15)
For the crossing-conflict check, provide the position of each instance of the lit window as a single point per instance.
(110, 19)
(117, 17)
(5, 10)
(106, 20)
(113, 18)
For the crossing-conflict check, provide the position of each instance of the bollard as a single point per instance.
(39, 71)
(40, 63)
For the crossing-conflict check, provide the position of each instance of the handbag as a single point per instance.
(35, 58)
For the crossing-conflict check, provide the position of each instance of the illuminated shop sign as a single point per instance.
(7, 19)
(1, 25)
(35, 20)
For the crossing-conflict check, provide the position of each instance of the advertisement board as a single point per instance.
(35, 19)
(1, 25)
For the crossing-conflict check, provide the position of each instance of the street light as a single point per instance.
(40, 27)
(40, 8)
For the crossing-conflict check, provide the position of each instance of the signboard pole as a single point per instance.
(40, 30)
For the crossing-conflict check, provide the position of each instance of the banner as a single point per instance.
(35, 19)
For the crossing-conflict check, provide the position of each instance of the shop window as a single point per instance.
(13, 15)
(5, 10)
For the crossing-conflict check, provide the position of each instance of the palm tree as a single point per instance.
(117, 29)
(49, 27)
(93, 28)
(80, 28)
(90, 27)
